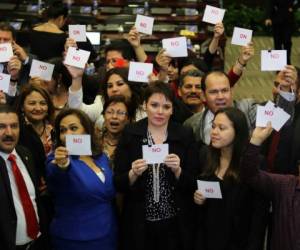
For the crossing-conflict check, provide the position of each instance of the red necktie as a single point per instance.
(30, 216)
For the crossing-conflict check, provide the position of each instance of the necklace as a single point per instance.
(108, 141)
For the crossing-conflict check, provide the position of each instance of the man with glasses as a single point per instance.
(217, 93)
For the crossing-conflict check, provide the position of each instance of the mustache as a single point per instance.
(8, 138)
(194, 95)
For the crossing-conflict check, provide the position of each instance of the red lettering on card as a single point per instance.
(175, 44)
(144, 25)
(215, 12)
(1, 78)
(3, 49)
(209, 190)
(43, 67)
(269, 112)
(140, 72)
(76, 58)
(156, 150)
(76, 32)
(243, 36)
(274, 56)
(77, 140)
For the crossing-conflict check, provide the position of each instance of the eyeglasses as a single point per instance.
(119, 113)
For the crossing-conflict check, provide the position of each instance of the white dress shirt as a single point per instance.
(21, 233)
(207, 126)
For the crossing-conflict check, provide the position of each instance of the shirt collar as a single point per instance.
(5, 155)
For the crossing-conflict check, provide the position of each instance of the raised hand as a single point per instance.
(260, 134)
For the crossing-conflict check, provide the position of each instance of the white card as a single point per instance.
(41, 69)
(175, 47)
(139, 72)
(6, 52)
(155, 153)
(77, 57)
(78, 144)
(144, 24)
(77, 32)
(264, 115)
(280, 118)
(213, 14)
(4, 82)
(241, 36)
(276, 115)
(273, 60)
(210, 189)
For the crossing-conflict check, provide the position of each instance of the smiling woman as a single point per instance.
(37, 110)
(238, 219)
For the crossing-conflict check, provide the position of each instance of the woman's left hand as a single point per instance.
(173, 162)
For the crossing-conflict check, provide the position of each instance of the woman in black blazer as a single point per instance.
(158, 210)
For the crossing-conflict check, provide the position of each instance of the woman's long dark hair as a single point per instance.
(239, 143)
(85, 122)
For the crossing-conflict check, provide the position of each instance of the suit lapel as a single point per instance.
(6, 182)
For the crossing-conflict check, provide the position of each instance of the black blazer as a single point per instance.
(181, 142)
(8, 217)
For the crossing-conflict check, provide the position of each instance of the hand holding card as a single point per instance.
(77, 57)
(175, 47)
(6, 52)
(273, 60)
(77, 32)
(144, 24)
(213, 14)
(41, 69)
(78, 144)
(139, 72)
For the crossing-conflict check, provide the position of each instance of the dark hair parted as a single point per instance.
(191, 73)
(217, 73)
(135, 87)
(55, 9)
(87, 124)
(4, 26)
(240, 125)
(120, 99)
(124, 47)
(27, 90)
(158, 87)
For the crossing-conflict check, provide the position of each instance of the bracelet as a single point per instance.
(243, 65)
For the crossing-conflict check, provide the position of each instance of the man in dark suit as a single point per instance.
(21, 220)
(280, 14)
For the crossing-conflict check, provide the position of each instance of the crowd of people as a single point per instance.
(114, 198)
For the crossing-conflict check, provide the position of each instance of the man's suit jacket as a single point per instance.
(8, 217)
